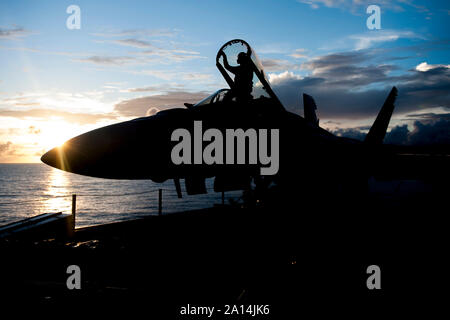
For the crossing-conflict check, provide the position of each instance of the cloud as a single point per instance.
(137, 43)
(369, 39)
(316, 4)
(424, 66)
(195, 76)
(155, 55)
(9, 152)
(27, 104)
(145, 89)
(14, 33)
(317, 64)
(107, 60)
(277, 79)
(351, 85)
(434, 130)
(430, 133)
(138, 32)
(429, 117)
(353, 133)
(425, 132)
(338, 71)
(165, 53)
(33, 130)
(170, 75)
(133, 43)
(272, 65)
(36, 50)
(421, 90)
(128, 42)
(358, 6)
(139, 107)
(157, 88)
(79, 118)
(5, 148)
(176, 55)
(152, 111)
(89, 102)
(299, 54)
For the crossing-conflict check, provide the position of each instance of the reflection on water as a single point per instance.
(57, 192)
(30, 189)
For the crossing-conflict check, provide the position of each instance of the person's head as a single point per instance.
(242, 58)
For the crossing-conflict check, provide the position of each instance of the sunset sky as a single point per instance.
(132, 58)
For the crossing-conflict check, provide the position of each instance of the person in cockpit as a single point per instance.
(243, 76)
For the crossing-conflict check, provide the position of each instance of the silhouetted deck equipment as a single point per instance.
(47, 224)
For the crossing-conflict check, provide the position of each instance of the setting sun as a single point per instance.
(53, 134)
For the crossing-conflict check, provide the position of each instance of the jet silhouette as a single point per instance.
(311, 158)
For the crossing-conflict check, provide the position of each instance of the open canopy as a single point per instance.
(230, 57)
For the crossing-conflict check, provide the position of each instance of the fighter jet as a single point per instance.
(308, 154)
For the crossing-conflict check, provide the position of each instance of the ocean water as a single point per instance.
(30, 189)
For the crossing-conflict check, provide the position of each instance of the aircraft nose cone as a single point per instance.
(54, 158)
(127, 150)
(49, 158)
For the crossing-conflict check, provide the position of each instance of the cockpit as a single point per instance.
(216, 97)
(244, 73)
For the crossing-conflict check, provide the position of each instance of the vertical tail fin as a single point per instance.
(378, 130)
(309, 110)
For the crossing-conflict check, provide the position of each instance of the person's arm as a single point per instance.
(227, 65)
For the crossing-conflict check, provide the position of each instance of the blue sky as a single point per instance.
(130, 57)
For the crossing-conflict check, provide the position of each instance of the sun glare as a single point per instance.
(55, 134)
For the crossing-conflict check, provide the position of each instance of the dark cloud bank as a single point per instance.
(354, 85)
(434, 131)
